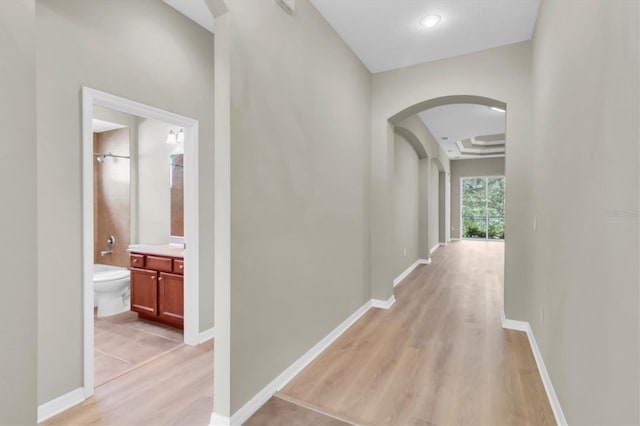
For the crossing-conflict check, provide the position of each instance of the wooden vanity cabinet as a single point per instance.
(171, 297)
(144, 291)
(157, 291)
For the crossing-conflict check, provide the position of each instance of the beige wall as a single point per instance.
(503, 74)
(406, 206)
(18, 214)
(429, 200)
(434, 205)
(144, 51)
(300, 131)
(586, 247)
(470, 168)
(443, 187)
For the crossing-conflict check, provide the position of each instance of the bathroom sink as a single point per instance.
(171, 250)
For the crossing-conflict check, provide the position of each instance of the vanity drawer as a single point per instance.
(136, 260)
(162, 264)
(178, 266)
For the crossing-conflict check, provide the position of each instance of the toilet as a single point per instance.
(111, 289)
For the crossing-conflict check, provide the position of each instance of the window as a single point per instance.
(483, 208)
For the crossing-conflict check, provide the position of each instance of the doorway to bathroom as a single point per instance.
(140, 186)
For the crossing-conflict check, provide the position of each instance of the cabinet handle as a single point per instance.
(160, 279)
(153, 277)
(135, 260)
(181, 266)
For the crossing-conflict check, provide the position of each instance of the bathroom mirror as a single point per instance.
(176, 166)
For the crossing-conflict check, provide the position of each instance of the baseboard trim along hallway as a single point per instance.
(254, 404)
(60, 404)
(383, 304)
(410, 269)
(544, 374)
(206, 335)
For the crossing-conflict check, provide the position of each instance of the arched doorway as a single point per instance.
(383, 266)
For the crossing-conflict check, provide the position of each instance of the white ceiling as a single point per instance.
(100, 126)
(462, 121)
(385, 34)
(196, 10)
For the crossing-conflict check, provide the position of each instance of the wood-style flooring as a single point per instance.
(438, 356)
(175, 389)
(278, 412)
(123, 343)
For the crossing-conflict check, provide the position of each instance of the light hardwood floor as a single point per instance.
(278, 412)
(438, 356)
(175, 389)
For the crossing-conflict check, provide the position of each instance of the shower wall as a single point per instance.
(112, 210)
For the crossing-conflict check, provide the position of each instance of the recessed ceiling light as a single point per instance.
(497, 109)
(430, 21)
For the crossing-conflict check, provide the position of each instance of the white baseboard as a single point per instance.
(407, 271)
(454, 239)
(434, 248)
(383, 304)
(279, 382)
(514, 325)
(60, 404)
(207, 335)
(544, 374)
(218, 420)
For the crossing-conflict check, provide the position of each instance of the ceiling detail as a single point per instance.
(196, 10)
(467, 130)
(477, 146)
(386, 34)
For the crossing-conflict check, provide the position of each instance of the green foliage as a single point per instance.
(482, 202)
(473, 231)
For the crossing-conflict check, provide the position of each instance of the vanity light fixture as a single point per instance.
(430, 21)
(175, 138)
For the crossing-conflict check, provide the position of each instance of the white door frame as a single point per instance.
(461, 226)
(91, 97)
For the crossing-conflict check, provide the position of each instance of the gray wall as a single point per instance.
(142, 50)
(429, 200)
(586, 247)
(470, 168)
(434, 206)
(442, 214)
(300, 131)
(406, 205)
(18, 214)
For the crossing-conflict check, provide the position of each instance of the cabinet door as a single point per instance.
(171, 298)
(144, 291)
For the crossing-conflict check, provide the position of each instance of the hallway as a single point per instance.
(438, 356)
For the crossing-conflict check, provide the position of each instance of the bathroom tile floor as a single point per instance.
(123, 343)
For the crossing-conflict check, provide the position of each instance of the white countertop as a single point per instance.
(171, 250)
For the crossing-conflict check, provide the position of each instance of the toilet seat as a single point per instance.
(110, 275)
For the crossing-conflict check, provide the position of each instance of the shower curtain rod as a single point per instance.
(112, 155)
